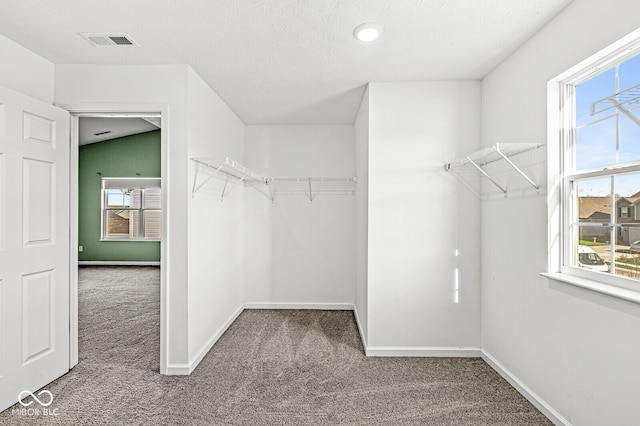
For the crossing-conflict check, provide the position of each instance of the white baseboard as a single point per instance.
(193, 363)
(363, 336)
(427, 352)
(287, 305)
(117, 263)
(178, 370)
(531, 396)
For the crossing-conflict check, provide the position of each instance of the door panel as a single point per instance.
(38, 320)
(34, 244)
(38, 129)
(38, 195)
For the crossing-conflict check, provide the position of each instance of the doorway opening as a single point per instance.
(118, 241)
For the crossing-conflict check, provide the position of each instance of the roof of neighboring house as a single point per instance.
(600, 207)
(633, 199)
(590, 206)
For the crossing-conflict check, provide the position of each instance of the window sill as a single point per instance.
(598, 287)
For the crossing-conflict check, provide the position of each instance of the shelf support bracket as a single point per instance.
(266, 192)
(271, 195)
(236, 184)
(517, 169)
(233, 186)
(195, 179)
(504, 191)
(224, 188)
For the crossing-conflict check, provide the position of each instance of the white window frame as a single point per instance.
(561, 175)
(141, 184)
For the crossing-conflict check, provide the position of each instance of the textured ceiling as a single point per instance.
(116, 127)
(286, 61)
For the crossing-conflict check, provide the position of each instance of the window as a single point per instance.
(598, 175)
(131, 209)
(624, 212)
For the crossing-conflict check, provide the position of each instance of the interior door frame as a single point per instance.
(123, 110)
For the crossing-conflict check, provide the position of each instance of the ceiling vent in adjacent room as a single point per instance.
(109, 39)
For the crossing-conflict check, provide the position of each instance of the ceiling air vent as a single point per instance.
(109, 39)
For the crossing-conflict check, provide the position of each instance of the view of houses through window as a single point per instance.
(133, 212)
(605, 181)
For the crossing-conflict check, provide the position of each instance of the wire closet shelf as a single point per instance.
(234, 174)
(475, 162)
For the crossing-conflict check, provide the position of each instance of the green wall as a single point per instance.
(122, 157)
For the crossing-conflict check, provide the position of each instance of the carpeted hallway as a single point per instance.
(269, 368)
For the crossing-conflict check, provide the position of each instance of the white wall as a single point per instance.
(300, 251)
(419, 215)
(361, 130)
(157, 84)
(578, 351)
(204, 261)
(216, 228)
(25, 72)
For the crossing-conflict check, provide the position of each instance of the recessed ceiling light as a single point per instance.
(369, 31)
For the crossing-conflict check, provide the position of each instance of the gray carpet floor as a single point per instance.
(271, 367)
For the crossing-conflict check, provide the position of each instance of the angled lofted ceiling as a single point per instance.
(98, 129)
(286, 61)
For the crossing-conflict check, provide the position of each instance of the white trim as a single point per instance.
(596, 286)
(193, 363)
(287, 305)
(426, 352)
(620, 168)
(73, 241)
(178, 370)
(531, 396)
(120, 109)
(597, 62)
(117, 109)
(117, 263)
(363, 336)
(561, 203)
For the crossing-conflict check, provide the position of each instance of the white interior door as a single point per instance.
(34, 244)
